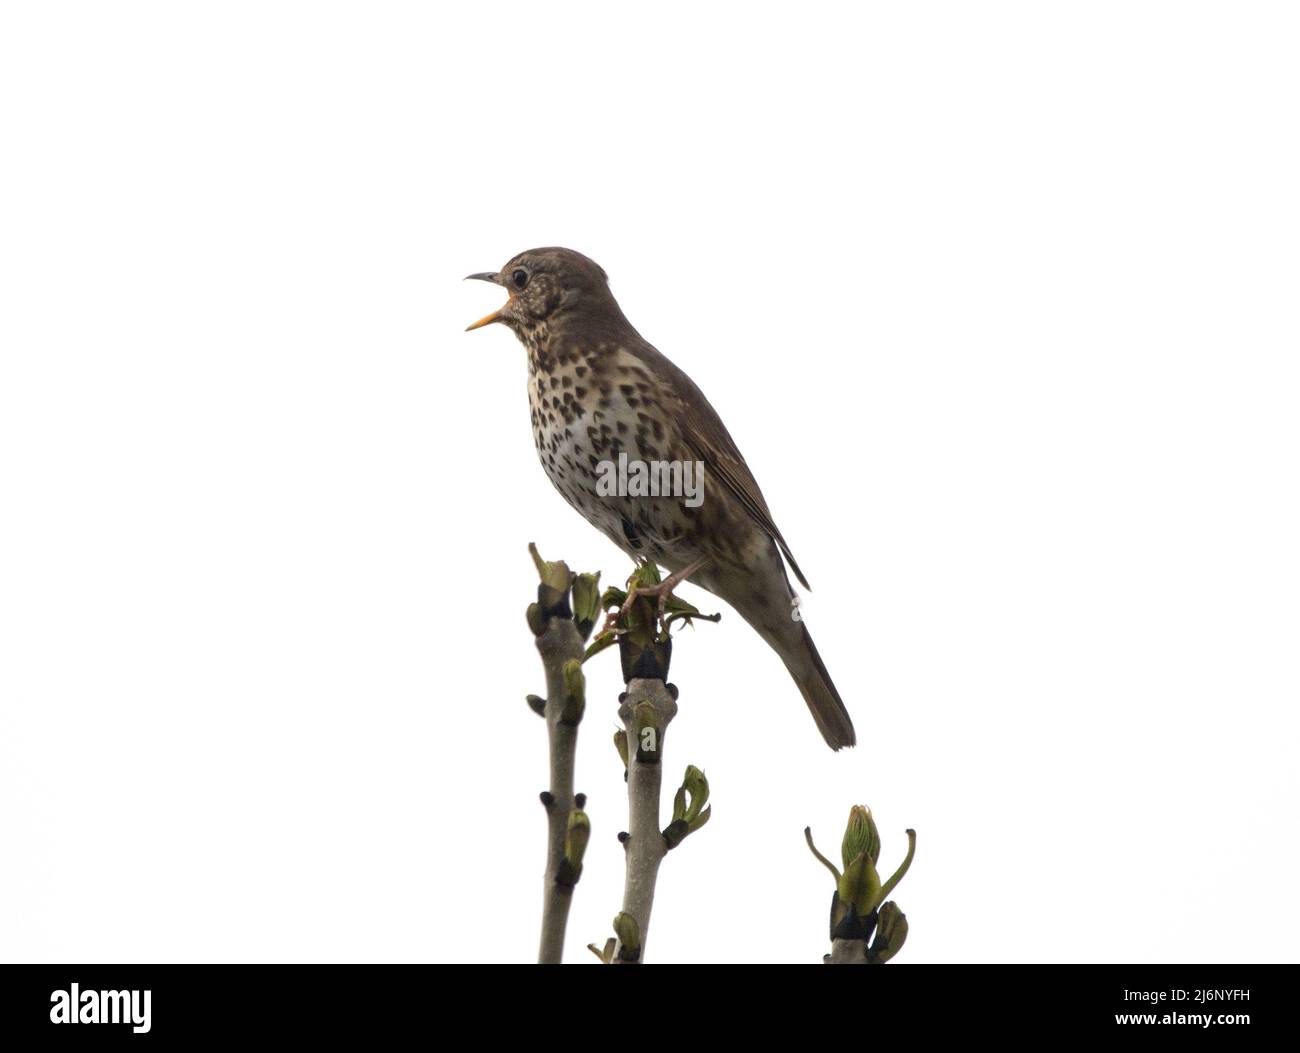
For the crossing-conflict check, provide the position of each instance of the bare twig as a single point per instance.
(647, 707)
(558, 645)
(559, 638)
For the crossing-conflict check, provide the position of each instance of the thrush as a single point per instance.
(600, 395)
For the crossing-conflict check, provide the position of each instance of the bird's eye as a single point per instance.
(519, 278)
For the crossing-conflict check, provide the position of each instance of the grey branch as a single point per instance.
(848, 952)
(558, 644)
(647, 707)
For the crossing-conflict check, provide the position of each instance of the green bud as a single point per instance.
(620, 744)
(689, 813)
(629, 937)
(679, 805)
(891, 932)
(576, 837)
(675, 832)
(860, 836)
(697, 786)
(586, 602)
(645, 576)
(553, 592)
(555, 575)
(859, 885)
(535, 620)
(612, 598)
(575, 692)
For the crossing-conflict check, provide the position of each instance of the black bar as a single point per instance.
(383, 1003)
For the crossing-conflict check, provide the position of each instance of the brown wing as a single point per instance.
(711, 443)
(731, 468)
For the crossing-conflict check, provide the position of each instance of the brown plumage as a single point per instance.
(597, 389)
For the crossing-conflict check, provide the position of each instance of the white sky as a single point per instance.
(997, 299)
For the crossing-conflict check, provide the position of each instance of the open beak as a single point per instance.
(495, 316)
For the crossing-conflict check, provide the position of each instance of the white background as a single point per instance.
(999, 300)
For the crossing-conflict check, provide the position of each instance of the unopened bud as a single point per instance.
(860, 836)
(891, 932)
(629, 937)
(576, 836)
(553, 590)
(586, 602)
(535, 620)
(575, 692)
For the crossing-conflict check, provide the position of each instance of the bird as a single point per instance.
(600, 393)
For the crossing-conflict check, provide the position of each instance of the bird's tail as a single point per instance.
(818, 690)
(795, 646)
(761, 594)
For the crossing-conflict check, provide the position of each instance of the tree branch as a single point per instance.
(847, 952)
(647, 707)
(560, 630)
(558, 645)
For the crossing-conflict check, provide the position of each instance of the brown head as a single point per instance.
(545, 283)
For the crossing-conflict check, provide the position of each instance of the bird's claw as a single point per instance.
(662, 615)
(667, 606)
(662, 595)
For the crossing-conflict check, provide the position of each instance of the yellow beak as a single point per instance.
(487, 319)
(495, 316)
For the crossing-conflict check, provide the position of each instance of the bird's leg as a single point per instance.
(663, 590)
(611, 619)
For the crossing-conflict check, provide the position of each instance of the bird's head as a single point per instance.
(541, 283)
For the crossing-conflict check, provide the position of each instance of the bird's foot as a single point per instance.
(663, 593)
(613, 618)
(668, 607)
